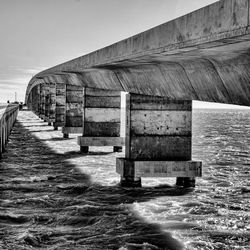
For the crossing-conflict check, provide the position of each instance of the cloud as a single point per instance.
(15, 79)
(16, 70)
(32, 71)
(7, 92)
(4, 87)
(18, 80)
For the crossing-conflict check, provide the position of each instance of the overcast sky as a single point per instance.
(38, 34)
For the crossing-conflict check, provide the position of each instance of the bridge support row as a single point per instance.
(158, 138)
(50, 103)
(101, 120)
(60, 105)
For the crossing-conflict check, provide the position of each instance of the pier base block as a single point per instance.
(56, 125)
(117, 149)
(84, 149)
(184, 170)
(130, 182)
(48, 120)
(185, 181)
(71, 130)
(85, 141)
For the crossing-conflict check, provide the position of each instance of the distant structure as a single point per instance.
(203, 55)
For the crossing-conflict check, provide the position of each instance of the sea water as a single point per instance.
(53, 197)
(216, 215)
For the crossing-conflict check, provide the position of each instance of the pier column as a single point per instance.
(73, 112)
(38, 100)
(52, 111)
(32, 99)
(29, 101)
(60, 105)
(42, 101)
(50, 103)
(47, 103)
(101, 120)
(158, 141)
(35, 99)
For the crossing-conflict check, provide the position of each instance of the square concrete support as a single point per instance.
(37, 110)
(73, 110)
(158, 141)
(47, 102)
(50, 103)
(183, 169)
(34, 99)
(85, 141)
(42, 102)
(60, 99)
(101, 119)
(39, 100)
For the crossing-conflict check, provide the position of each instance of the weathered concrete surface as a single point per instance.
(201, 56)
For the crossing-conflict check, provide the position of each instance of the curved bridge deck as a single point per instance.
(203, 55)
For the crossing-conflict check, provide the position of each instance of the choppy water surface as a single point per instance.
(216, 214)
(53, 197)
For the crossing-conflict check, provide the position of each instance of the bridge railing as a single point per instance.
(8, 114)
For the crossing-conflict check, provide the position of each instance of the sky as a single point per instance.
(39, 34)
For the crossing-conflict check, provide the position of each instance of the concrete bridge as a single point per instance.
(202, 56)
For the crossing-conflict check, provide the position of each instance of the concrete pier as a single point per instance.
(42, 101)
(51, 104)
(47, 102)
(73, 110)
(60, 105)
(158, 141)
(34, 101)
(101, 120)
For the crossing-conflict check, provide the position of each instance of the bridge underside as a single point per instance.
(201, 56)
(215, 74)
